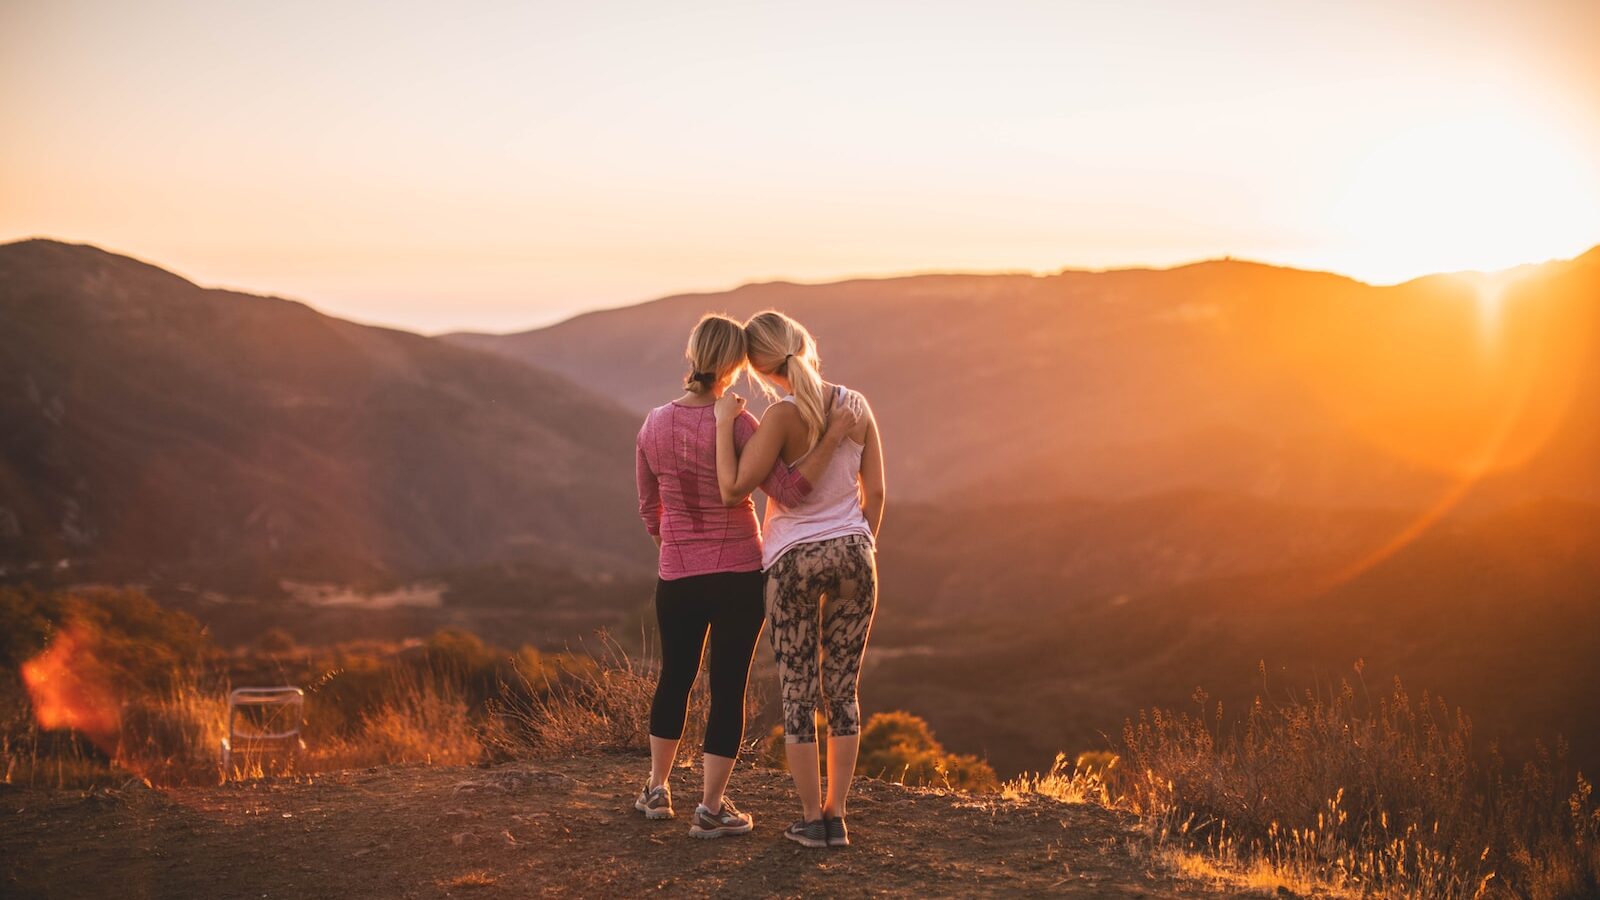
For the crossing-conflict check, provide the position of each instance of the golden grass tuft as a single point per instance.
(1080, 780)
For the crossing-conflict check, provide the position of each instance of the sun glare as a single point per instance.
(1491, 290)
(1483, 192)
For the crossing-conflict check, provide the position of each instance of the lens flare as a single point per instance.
(70, 688)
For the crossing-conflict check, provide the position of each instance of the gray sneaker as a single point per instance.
(729, 820)
(808, 834)
(655, 803)
(838, 835)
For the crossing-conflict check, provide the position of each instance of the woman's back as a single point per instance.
(678, 486)
(832, 509)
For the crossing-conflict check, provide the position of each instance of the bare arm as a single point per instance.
(872, 480)
(741, 470)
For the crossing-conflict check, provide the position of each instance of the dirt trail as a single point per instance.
(562, 828)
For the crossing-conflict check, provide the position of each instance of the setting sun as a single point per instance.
(1480, 190)
(1476, 191)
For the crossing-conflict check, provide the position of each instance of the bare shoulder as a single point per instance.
(781, 414)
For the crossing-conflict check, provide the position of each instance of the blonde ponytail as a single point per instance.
(716, 353)
(778, 345)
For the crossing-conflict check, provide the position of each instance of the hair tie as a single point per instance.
(705, 378)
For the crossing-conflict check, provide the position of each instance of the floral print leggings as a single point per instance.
(843, 571)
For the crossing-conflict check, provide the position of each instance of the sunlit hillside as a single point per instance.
(1284, 384)
(1124, 485)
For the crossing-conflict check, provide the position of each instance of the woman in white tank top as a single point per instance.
(819, 556)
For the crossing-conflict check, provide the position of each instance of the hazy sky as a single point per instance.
(498, 165)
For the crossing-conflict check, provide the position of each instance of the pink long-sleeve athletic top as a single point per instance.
(676, 466)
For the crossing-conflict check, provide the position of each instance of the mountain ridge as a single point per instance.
(1286, 383)
(124, 381)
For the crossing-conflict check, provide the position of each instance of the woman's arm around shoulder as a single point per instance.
(740, 469)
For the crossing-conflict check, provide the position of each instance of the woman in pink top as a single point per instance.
(710, 569)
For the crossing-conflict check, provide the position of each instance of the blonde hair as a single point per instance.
(778, 345)
(716, 353)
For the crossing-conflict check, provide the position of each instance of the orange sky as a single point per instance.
(508, 164)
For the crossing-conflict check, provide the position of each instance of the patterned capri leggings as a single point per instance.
(843, 571)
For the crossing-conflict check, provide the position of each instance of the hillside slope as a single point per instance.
(157, 427)
(1283, 384)
(566, 828)
(1046, 643)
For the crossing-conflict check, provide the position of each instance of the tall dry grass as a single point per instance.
(596, 700)
(1343, 792)
(422, 716)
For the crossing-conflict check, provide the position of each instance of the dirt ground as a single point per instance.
(557, 828)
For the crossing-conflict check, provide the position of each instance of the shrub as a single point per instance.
(900, 747)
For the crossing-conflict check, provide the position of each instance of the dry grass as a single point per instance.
(423, 717)
(1346, 794)
(586, 703)
(174, 738)
(593, 700)
(1080, 780)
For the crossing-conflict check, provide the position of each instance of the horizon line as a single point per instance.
(823, 282)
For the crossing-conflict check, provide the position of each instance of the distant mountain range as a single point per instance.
(1106, 489)
(1283, 384)
(153, 426)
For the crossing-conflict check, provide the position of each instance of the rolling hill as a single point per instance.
(1288, 385)
(154, 428)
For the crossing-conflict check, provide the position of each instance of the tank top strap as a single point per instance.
(839, 393)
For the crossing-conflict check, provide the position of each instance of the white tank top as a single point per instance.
(831, 510)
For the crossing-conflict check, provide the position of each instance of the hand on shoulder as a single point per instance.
(849, 413)
(728, 407)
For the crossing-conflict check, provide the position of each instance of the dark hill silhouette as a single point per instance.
(1047, 637)
(1298, 386)
(154, 426)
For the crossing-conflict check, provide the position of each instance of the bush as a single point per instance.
(900, 747)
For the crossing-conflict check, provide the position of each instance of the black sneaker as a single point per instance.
(838, 835)
(655, 803)
(808, 834)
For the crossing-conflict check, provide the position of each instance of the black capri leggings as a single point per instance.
(730, 606)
